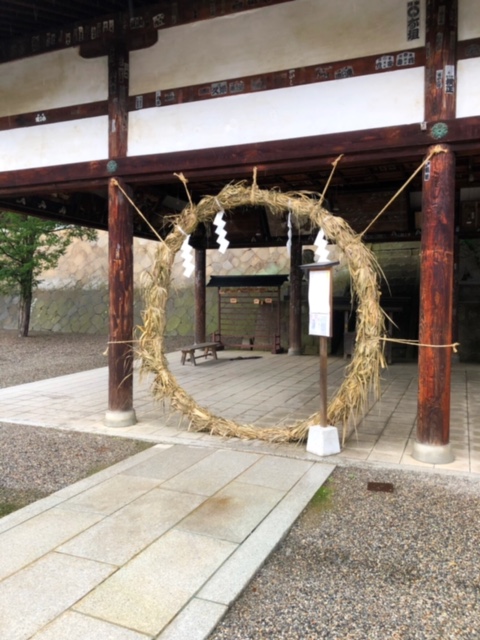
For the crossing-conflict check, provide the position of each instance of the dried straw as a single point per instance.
(362, 374)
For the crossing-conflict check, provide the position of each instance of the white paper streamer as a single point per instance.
(186, 252)
(322, 254)
(220, 223)
(289, 233)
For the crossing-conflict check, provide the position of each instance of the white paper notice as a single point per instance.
(319, 302)
(319, 324)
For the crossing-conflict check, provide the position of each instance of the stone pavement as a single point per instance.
(266, 390)
(156, 546)
(160, 544)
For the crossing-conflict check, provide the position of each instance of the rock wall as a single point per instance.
(74, 296)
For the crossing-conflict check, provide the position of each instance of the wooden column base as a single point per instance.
(119, 419)
(433, 453)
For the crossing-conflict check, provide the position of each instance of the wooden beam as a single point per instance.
(50, 116)
(239, 160)
(120, 354)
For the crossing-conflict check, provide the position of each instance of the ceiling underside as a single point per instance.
(20, 19)
(357, 193)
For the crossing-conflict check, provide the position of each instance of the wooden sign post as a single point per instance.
(323, 438)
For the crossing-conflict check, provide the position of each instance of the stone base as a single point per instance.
(117, 419)
(294, 352)
(433, 453)
(323, 441)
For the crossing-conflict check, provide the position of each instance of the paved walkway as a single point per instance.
(160, 544)
(266, 390)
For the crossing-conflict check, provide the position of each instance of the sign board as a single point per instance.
(320, 303)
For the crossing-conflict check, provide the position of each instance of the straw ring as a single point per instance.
(362, 375)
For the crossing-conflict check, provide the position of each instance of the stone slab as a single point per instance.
(31, 510)
(75, 626)
(117, 539)
(195, 622)
(212, 473)
(44, 590)
(167, 464)
(234, 575)
(275, 472)
(232, 513)
(147, 593)
(34, 538)
(111, 495)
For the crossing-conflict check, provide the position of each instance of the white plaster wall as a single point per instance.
(468, 19)
(54, 144)
(468, 88)
(336, 106)
(50, 80)
(303, 32)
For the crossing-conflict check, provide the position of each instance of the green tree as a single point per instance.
(29, 246)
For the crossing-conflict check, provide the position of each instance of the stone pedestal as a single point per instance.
(117, 419)
(323, 441)
(433, 454)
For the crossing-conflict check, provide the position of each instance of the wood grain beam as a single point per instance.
(314, 152)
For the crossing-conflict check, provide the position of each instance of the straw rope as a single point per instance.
(362, 374)
(433, 152)
(416, 343)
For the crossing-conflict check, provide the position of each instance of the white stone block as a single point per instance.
(323, 441)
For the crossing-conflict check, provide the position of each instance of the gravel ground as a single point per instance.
(368, 565)
(35, 462)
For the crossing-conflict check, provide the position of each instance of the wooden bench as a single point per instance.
(208, 348)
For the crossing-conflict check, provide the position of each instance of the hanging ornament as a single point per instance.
(322, 254)
(219, 224)
(289, 233)
(186, 251)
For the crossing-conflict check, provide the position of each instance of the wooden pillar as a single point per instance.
(295, 309)
(436, 299)
(120, 246)
(120, 354)
(438, 233)
(200, 295)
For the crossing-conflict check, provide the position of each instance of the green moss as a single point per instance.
(323, 498)
(9, 507)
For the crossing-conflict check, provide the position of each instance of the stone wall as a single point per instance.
(74, 296)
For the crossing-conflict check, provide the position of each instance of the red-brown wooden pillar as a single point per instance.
(120, 354)
(120, 245)
(200, 294)
(436, 300)
(438, 231)
(295, 310)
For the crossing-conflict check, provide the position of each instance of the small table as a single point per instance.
(208, 348)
